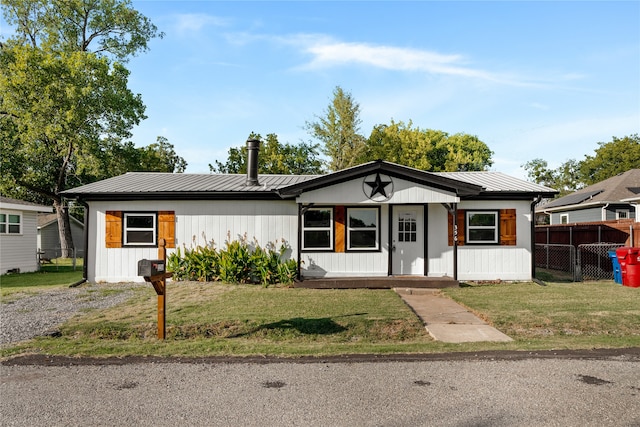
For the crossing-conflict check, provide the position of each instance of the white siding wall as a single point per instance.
(479, 262)
(344, 264)
(20, 250)
(197, 223)
(351, 192)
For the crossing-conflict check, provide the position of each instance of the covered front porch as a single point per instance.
(378, 282)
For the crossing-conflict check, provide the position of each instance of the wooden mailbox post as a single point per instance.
(159, 282)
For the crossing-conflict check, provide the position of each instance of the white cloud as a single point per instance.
(195, 22)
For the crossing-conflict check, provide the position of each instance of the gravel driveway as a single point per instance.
(31, 315)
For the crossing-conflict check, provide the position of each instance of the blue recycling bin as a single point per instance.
(617, 272)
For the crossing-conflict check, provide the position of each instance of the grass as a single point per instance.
(559, 315)
(216, 319)
(58, 274)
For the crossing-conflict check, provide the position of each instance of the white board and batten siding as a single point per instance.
(350, 264)
(481, 262)
(352, 193)
(198, 222)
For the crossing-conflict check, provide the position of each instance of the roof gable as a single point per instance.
(379, 166)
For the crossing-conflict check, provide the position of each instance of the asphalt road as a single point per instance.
(463, 391)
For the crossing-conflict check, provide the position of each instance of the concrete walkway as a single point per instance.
(446, 320)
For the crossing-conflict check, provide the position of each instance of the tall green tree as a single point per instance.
(274, 158)
(426, 149)
(338, 130)
(64, 100)
(565, 178)
(611, 158)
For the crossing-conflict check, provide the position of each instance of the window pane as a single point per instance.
(363, 239)
(3, 228)
(140, 237)
(359, 218)
(140, 221)
(317, 218)
(482, 219)
(484, 235)
(317, 239)
(3, 218)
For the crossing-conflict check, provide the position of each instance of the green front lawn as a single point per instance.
(217, 319)
(49, 277)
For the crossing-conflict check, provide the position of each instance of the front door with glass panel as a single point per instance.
(407, 240)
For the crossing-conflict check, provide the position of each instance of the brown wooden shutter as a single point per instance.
(508, 227)
(339, 226)
(167, 228)
(461, 233)
(113, 234)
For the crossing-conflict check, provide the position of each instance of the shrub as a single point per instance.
(237, 262)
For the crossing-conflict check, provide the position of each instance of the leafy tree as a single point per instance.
(274, 158)
(610, 159)
(104, 27)
(338, 129)
(64, 101)
(426, 149)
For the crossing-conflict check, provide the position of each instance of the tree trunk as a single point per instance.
(64, 229)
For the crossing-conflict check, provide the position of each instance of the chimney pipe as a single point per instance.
(253, 147)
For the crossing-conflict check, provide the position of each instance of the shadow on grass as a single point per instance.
(320, 326)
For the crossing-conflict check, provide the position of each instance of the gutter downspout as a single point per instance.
(533, 236)
(603, 217)
(85, 235)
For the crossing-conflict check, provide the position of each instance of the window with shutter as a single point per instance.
(506, 228)
(136, 229)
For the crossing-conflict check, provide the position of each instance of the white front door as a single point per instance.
(407, 240)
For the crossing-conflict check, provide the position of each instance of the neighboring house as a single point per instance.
(18, 235)
(635, 202)
(49, 236)
(375, 219)
(608, 200)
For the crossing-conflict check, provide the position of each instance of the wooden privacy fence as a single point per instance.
(623, 232)
(581, 250)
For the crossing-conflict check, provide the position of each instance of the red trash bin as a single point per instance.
(629, 266)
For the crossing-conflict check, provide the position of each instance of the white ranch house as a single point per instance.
(374, 220)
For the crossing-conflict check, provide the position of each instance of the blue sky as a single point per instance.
(531, 79)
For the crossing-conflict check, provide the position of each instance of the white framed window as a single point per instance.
(363, 230)
(10, 223)
(317, 229)
(140, 229)
(482, 227)
(622, 213)
(564, 218)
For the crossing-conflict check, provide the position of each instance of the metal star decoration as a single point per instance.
(378, 186)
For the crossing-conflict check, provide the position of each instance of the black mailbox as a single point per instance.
(151, 267)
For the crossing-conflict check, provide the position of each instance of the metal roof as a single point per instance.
(170, 185)
(498, 182)
(156, 182)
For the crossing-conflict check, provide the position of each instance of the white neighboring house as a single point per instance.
(49, 236)
(18, 235)
(375, 219)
